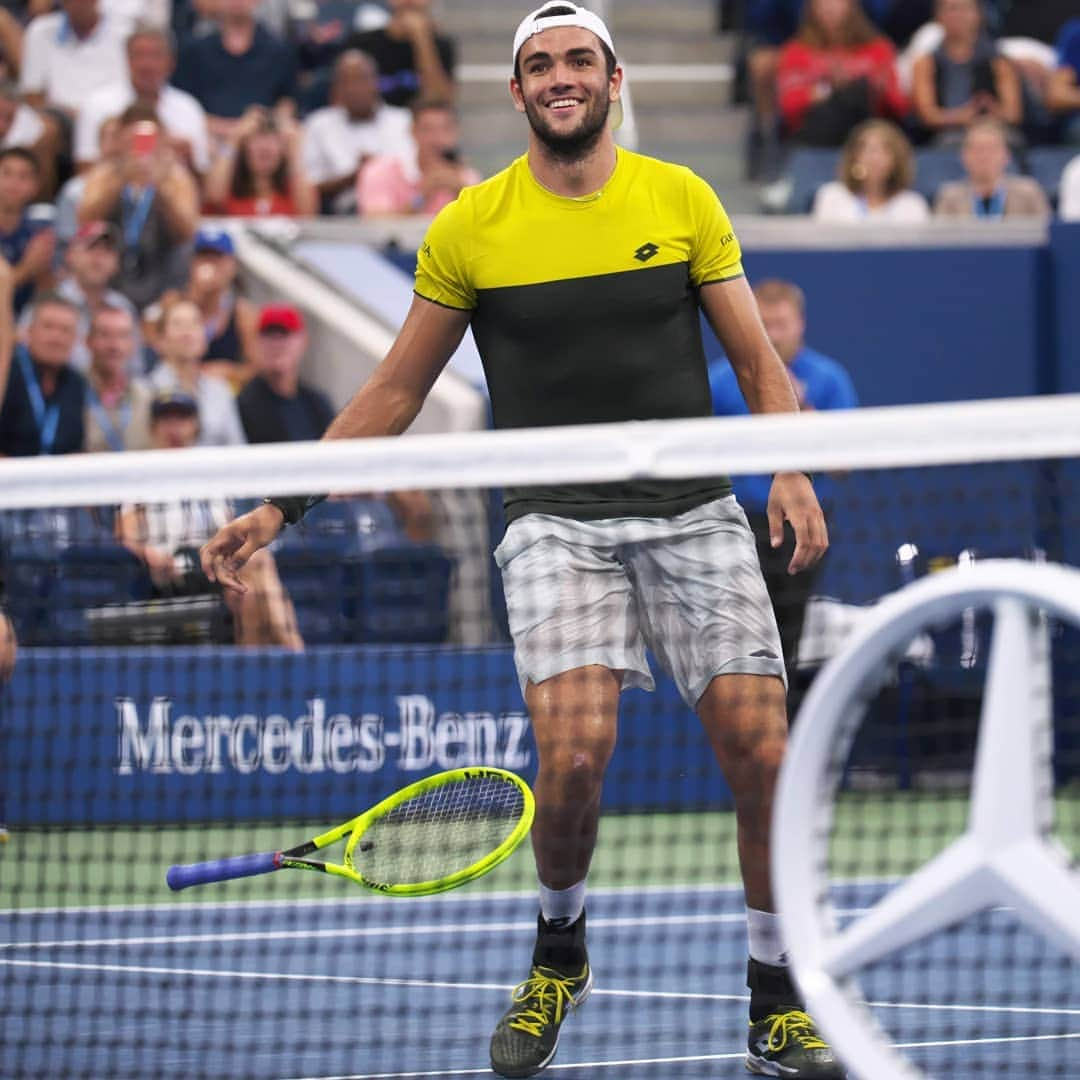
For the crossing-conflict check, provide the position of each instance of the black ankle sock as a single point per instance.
(562, 948)
(771, 990)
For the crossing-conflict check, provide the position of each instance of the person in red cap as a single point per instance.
(583, 270)
(276, 406)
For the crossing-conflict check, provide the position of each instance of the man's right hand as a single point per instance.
(224, 556)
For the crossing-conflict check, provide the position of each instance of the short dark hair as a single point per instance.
(53, 299)
(138, 112)
(109, 309)
(609, 56)
(23, 154)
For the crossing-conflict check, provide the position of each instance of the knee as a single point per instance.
(578, 770)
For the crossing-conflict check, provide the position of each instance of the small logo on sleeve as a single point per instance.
(646, 252)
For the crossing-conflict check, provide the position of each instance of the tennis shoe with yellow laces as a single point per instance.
(788, 1044)
(527, 1036)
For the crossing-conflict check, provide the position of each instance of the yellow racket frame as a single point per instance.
(359, 825)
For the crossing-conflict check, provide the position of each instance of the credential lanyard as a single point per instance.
(134, 212)
(114, 435)
(46, 416)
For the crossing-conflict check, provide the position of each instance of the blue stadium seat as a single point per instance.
(90, 576)
(934, 166)
(398, 593)
(313, 574)
(1046, 164)
(808, 169)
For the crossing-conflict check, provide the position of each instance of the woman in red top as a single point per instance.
(836, 72)
(260, 171)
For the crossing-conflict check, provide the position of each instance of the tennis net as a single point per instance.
(149, 722)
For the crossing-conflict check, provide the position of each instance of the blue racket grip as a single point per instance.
(203, 873)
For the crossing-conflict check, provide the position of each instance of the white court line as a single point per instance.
(376, 898)
(361, 980)
(550, 1068)
(371, 980)
(663, 1061)
(371, 931)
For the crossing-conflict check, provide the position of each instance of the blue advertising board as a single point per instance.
(96, 736)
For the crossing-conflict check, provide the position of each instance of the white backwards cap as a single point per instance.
(536, 22)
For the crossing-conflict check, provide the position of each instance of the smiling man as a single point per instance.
(582, 269)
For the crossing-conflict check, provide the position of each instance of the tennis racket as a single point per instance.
(429, 837)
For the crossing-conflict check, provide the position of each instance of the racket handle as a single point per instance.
(203, 873)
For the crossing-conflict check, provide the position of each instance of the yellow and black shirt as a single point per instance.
(585, 311)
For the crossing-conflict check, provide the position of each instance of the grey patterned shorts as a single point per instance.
(688, 588)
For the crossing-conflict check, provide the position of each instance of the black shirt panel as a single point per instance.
(635, 354)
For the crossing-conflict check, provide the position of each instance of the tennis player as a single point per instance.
(582, 268)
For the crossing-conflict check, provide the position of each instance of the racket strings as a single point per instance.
(439, 833)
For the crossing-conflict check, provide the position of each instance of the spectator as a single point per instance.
(359, 125)
(876, 171)
(43, 407)
(260, 170)
(117, 404)
(22, 126)
(181, 343)
(965, 78)
(819, 383)
(11, 45)
(837, 72)
(988, 192)
(423, 183)
(153, 201)
(229, 321)
(237, 66)
(67, 55)
(150, 63)
(769, 23)
(276, 406)
(27, 237)
(1063, 91)
(93, 260)
(167, 537)
(110, 147)
(412, 58)
(1069, 199)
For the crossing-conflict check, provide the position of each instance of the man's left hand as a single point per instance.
(792, 498)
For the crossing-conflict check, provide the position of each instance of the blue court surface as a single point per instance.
(376, 988)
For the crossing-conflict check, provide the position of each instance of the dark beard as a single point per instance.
(576, 145)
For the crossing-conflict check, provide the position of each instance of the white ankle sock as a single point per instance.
(766, 944)
(562, 907)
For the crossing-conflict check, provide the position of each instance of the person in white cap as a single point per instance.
(582, 269)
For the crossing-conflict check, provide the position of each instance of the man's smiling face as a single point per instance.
(564, 89)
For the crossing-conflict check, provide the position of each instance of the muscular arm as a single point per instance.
(385, 405)
(390, 400)
(732, 312)
(1063, 91)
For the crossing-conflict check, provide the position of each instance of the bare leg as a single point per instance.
(574, 719)
(746, 721)
(264, 615)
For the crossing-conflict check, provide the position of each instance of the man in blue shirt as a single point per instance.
(239, 65)
(820, 383)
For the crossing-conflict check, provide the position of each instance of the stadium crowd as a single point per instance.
(125, 125)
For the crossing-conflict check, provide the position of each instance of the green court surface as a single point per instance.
(873, 835)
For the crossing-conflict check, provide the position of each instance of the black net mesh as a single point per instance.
(150, 721)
